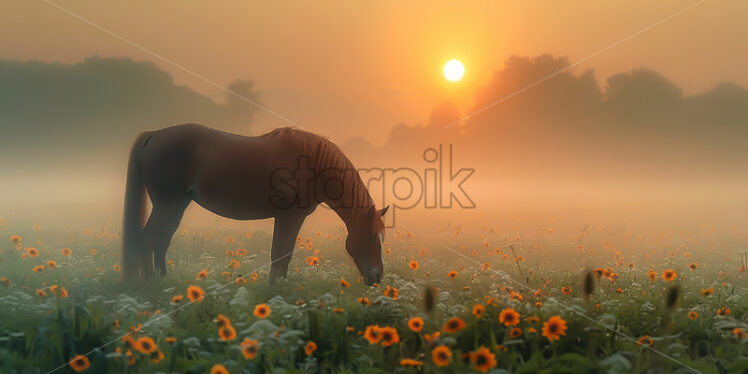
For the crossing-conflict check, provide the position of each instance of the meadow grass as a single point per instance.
(616, 311)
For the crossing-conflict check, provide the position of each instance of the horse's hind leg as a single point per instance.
(284, 239)
(161, 225)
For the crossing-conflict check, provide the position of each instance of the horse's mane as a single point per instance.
(325, 155)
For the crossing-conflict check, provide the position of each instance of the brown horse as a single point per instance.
(283, 174)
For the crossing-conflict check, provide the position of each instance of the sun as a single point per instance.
(454, 70)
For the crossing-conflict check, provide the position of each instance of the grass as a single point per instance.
(624, 326)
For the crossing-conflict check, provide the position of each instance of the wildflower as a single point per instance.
(430, 338)
(234, 264)
(645, 340)
(249, 348)
(738, 332)
(5, 281)
(15, 239)
(391, 292)
(171, 339)
(693, 266)
(372, 334)
(669, 275)
(115, 267)
(195, 293)
(724, 311)
(363, 300)
(509, 317)
(80, 363)
(344, 283)
(652, 275)
(38, 269)
(51, 264)
(454, 324)
(338, 310)
(312, 261)
(203, 274)
(389, 336)
(413, 265)
(63, 293)
(452, 274)
(441, 356)
(262, 311)
(707, 291)
(219, 369)
(227, 333)
(310, 348)
(693, 315)
(177, 298)
(554, 328)
(66, 251)
(229, 253)
(479, 310)
(515, 332)
(566, 290)
(146, 345)
(92, 251)
(33, 252)
(410, 362)
(482, 359)
(415, 324)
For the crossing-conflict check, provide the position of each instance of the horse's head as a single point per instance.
(364, 244)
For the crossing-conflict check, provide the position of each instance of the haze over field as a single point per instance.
(651, 132)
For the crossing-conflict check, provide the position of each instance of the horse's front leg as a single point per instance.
(284, 240)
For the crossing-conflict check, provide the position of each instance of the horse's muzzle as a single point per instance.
(374, 276)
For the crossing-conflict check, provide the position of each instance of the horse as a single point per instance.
(284, 174)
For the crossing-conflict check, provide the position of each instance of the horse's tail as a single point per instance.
(134, 216)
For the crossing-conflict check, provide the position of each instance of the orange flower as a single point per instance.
(363, 300)
(80, 363)
(234, 264)
(115, 267)
(413, 265)
(509, 317)
(5, 281)
(415, 324)
(146, 345)
(63, 293)
(566, 290)
(261, 311)
(693, 315)
(693, 266)
(452, 274)
(249, 348)
(171, 339)
(430, 338)
(645, 340)
(343, 283)
(41, 293)
(389, 336)
(707, 291)
(92, 251)
(408, 362)
(222, 320)
(441, 356)
(227, 333)
(33, 252)
(453, 324)
(724, 311)
(483, 360)
(554, 328)
(66, 251)
(338, 310)
(391, 292)
(515, 332)
(372, 334)
(310, 348)
(51, 264)
(203, 274)
(177, 298)
(312, 261)
(15, 238)
(738, 332)
(219, 369)
(669, 275)
(479, 310)
(195, 293)
(38, 269)
(229, 253)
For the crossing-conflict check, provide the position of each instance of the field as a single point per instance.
(462, 302)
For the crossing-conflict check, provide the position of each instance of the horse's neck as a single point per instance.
(348, 216)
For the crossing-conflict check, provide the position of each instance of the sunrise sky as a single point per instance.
(631, 128)
(358, 68)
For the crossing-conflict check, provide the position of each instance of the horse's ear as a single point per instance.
(383, 211)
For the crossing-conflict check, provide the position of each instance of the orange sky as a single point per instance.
(359, 68)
